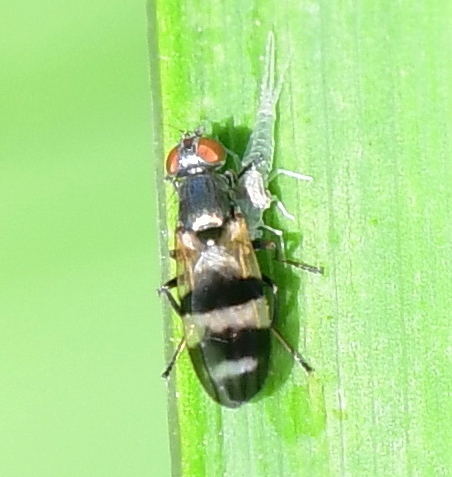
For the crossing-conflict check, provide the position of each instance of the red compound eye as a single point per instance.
(208, 150)
(211, 151)
(172, 161)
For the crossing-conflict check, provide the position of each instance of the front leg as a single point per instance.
(165, 289)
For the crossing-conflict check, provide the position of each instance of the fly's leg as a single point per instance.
(280, 252)
(296, 356)
(172, 362)
(231, 178)
(260, 244)
(305, 266)
(278, 246)
(165, 289)
(245, 169)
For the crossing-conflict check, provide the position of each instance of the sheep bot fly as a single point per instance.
(251, 192)
(226, 305)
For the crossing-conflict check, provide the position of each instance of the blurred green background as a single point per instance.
(81, 325)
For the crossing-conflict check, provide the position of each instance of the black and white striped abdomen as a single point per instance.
(227, 327)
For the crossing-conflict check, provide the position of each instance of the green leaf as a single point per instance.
(365, 110)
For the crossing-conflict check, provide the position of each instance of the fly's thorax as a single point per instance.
(204, 201)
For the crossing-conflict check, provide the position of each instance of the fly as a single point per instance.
(226, 305)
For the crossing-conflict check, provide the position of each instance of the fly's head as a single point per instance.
(194, 155)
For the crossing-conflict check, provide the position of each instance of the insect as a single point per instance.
(226, 305)
(252, 194)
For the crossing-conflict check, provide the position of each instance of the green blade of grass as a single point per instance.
(365, 111)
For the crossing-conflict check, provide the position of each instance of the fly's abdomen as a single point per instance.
(232, 365)
(227, 327)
